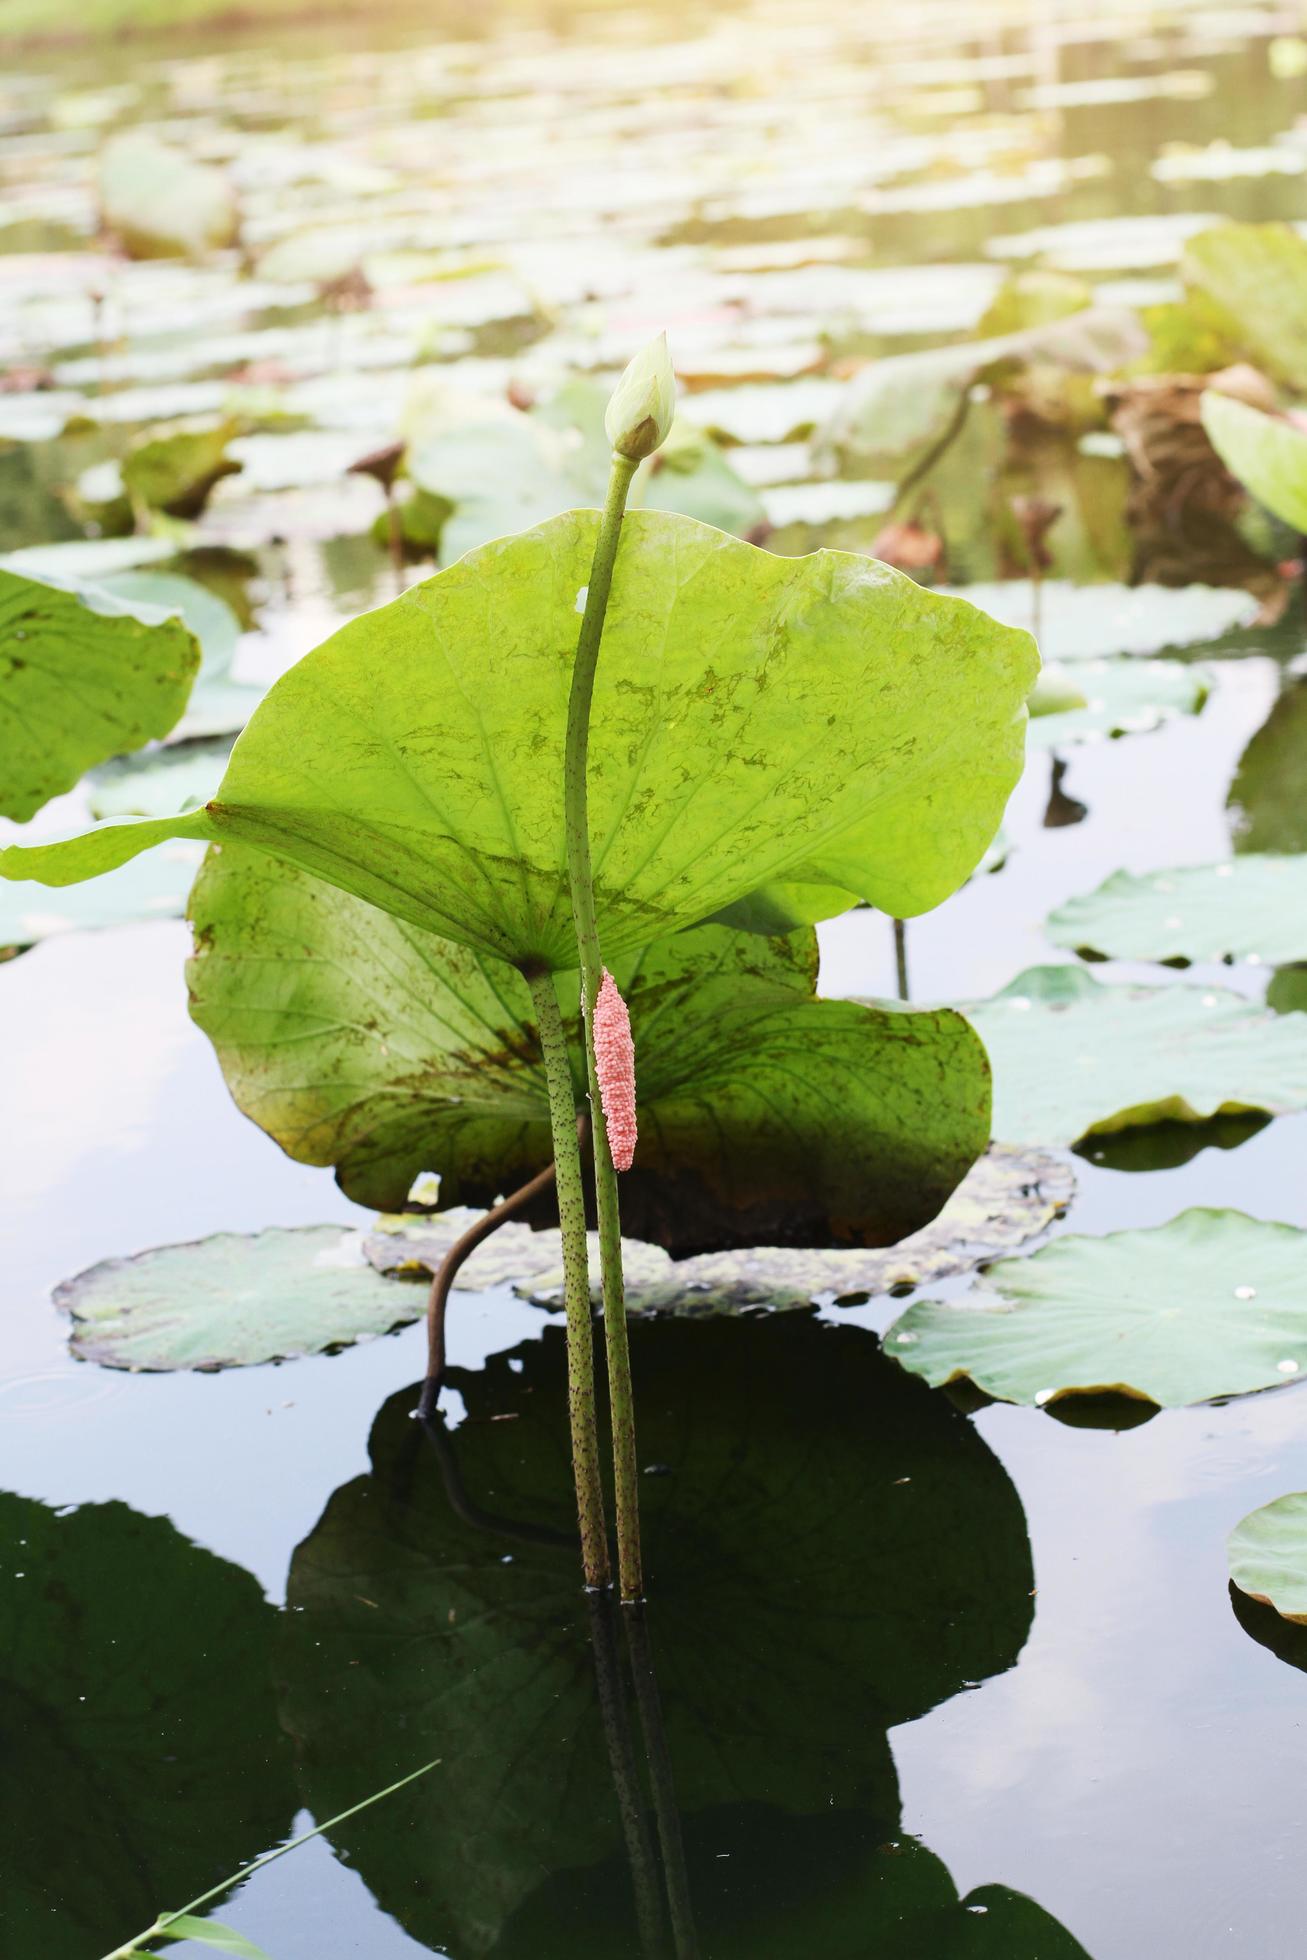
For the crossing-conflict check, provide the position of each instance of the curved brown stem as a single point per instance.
(446, 1273)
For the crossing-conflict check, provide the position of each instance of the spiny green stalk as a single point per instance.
(132, 1949)
(576, 1282)
(621, 1402)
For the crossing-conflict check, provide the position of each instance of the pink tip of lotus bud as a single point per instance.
(615, 1067)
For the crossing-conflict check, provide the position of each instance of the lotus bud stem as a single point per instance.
(639, 415)
(615, 1068)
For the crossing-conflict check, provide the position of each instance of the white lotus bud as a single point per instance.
(640, 412)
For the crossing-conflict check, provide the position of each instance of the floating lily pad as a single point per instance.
(453, 1563)
(134, 1775)
(161, 202)
(1268, 1556)
(358, 1041)
(1009, 1196)
(152, 886)
(81, 678)
(231, 1300)
(1097, 622)
(1091, 700)
(433, 791)
(175, 470)
(1268, 810)
(1073, 1057)
(1212, 1304)
(88, 560)
(1252, 909)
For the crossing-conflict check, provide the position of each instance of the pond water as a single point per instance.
(930, 1681)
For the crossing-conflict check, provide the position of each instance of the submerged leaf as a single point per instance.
(1268, 1556)
(403, 764)
(765, 1114)
(1212, 1304)
(82, 678)
(451, 1568)
(1073, 1057)
(1252, 909)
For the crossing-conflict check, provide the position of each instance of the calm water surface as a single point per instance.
(930, 1683)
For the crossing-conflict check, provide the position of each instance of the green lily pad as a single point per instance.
(128, 1786)
(1252, 909)
(1212, 1304)
(1256, 277)
(175, 471)
(218, 704)
(1092, 700)
(1007, 1197)
(156, 783)
(1098, 622)
(1286, 990)
(81, 678)
(399, 763)
(358, 1041)
(1268, 811)
(1073, 1057)
(450, 1570)
(1266, 453)
(1268, 1556)
(152, 886)
(231, 1300)
(161, 202)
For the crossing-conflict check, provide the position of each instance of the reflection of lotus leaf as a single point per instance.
(1268, 811)
(142, 1758)
(831, 1551)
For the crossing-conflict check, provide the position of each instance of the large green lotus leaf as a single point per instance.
(1213, 1303)
(1268, 1556)
(1265, 452)
(756, 718)
(81, 678)
(1098, 622)
(435, 1608)
(232, 1300)
(161, 202)
(765, 1114)
(152, 886)
(1268, 810)
(1073, 1057)
(143, 1762)
(1251, 908)
(1096, 699)
(1256, 277)
(1009, 1196)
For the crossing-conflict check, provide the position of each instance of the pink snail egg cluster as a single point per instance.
(615, 1067)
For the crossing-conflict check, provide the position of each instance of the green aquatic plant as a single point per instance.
(763, 739)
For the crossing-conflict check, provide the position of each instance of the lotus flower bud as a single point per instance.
(640, 411)
(615, 1068)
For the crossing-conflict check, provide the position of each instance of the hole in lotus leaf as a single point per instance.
(1154, 1314)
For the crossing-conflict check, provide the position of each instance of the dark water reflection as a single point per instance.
(832, 1552)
